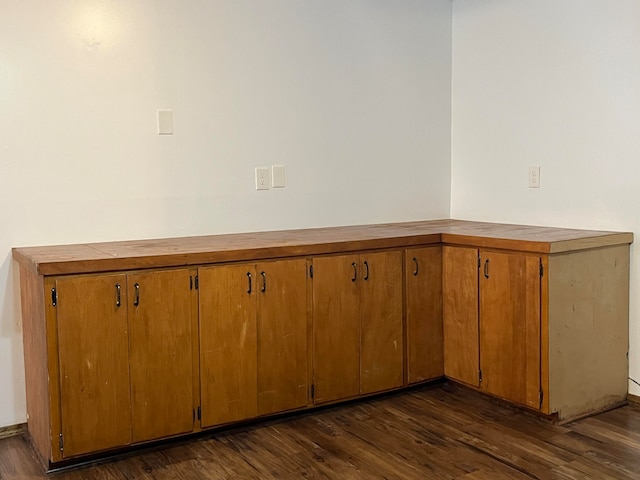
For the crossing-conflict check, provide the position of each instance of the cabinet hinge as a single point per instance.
(197, 282)
(480, 376)
(54, 297)
(313, 392)
(61, 442)
(199, 413)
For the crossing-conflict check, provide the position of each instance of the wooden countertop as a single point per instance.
(170, 252)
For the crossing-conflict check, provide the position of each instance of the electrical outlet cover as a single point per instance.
(262, 178)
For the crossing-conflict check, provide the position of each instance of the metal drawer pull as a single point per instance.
(249, 277)
(355, 271)
(118, 303)
(264, 282)
(136, 302)
(486, 268)
(366, 275)
(415, 272)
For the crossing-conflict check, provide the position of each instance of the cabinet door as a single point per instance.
(382, 348)
(228, 343)
(336, 327)
(160, 354)
(460, 309)
(94, 363)
(282, 335)
(423, 290)
(510, 326)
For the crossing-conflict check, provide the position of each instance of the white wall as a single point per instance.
(353, 97)
(555, 84)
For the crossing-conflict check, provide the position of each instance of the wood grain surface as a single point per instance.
(510, 326)
(282, 336)
(228, 343)
(446, 432)
(160, 349)
(94, 364)
(460, 311)
(168, 252)
(423, 299)
(381, 339)
(336, 327)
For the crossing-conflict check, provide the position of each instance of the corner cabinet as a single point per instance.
(518, 326)
(126, 343)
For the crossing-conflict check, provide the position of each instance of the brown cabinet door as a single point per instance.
(282, 335)
(336, 327)
(381, 341)
(423, 290)
(510, 326)
(94, 363)
(460, 309)
(160, 349)
(228, 343)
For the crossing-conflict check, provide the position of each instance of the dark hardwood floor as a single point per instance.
(438, 432)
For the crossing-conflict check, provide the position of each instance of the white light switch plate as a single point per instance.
(165, 122)
(277, 175)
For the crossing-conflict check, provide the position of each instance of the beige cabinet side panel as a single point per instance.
(588, 330)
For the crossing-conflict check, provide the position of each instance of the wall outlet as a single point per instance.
(534, 176)
(262, 178)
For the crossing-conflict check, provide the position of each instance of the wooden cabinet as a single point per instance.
(160, 353)
(253, 339)
(423, 301)
(128, 342)
(357, 318)
(460, 310)
(282, 320)
(93, 349)
(124, 346)
(510, 326)
(492, 322)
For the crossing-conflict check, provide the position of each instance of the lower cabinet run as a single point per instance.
(130, 342)
(253, 340)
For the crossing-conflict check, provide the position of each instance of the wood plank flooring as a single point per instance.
(437, 432)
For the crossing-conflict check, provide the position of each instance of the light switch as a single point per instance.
(277, 176)
(165, 122)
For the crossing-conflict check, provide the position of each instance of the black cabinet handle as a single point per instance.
(366, 275)
(264, 282)
(136, 302)
(486, 268)
(355, 271)
(415, 272)
(118, 295)
(249, 277)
